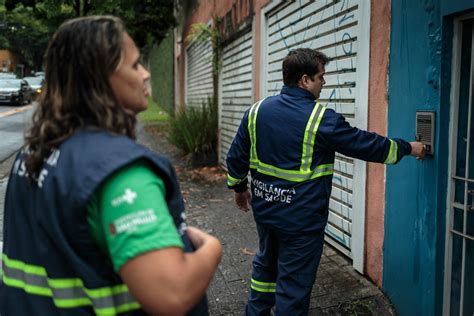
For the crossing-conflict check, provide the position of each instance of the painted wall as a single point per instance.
(377, 122)
(203, 13)
(205, 10)
(11, 60)
(455, 7)
(258, 6)
(419, 79)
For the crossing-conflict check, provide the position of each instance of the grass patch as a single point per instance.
(153, 114)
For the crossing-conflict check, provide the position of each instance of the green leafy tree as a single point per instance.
(4, 43)
(30, 23)
(148, 21)
(26, 34)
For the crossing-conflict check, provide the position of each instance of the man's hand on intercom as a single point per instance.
(418, 150)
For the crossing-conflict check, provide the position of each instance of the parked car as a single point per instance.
(15, 91)
(7, 75)
(36, 83)
(39, 74)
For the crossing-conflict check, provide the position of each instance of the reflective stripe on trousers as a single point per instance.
(260, 286)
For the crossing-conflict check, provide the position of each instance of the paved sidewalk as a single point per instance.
(339, 289)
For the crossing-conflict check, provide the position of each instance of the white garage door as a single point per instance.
(198, 72)
(236, 89)
(334, 28)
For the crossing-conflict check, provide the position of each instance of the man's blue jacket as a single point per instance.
(288, 143)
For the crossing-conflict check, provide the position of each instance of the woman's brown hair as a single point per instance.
(79, 60)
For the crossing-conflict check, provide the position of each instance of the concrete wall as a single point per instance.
(161, 68)
(419, 79)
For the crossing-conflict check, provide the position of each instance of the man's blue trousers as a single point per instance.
(284, 271)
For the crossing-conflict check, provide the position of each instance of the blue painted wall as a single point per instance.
(411, 209)
(419, 79)
(455, 7)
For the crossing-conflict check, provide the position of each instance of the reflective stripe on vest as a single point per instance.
(305, 172)
(252, 121)
(66, 293)
(265, 287)
(231, 181)
(392, 154)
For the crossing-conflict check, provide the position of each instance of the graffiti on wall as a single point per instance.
(330, 26)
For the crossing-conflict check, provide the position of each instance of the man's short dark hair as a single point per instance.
(302, 61)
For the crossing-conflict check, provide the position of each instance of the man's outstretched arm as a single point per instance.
(338, 135)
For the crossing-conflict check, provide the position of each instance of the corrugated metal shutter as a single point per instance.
(332, 28)
(198, 72)
(236, 88)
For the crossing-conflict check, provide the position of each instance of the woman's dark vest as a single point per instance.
(51, 265)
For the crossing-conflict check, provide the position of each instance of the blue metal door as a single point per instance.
(459, 262)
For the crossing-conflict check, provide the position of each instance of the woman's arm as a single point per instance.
(170, 282)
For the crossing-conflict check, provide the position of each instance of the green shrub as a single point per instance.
(194, 130)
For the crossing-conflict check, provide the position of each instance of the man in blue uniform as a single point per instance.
(288, 143)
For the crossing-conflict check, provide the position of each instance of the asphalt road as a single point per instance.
(13, 122)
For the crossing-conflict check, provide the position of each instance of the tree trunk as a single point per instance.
(87, 7)
(77, 7)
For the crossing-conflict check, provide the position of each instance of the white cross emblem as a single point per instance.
(129, 196)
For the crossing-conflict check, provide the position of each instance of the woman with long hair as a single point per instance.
(94, 222)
